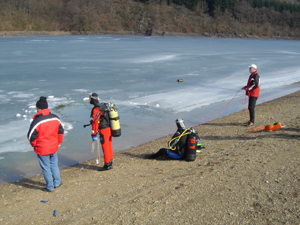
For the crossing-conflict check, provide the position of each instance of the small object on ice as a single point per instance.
(180, 80)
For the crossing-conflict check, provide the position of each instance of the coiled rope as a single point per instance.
(98, 150)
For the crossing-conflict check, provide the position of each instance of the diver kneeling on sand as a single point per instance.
(182, 145)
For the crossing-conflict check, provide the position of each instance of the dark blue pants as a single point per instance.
(251, 107)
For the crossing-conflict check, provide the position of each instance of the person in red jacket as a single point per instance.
(101, 123)
(252, 90)
(45, 136)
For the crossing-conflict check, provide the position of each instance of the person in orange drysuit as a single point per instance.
(100, 123)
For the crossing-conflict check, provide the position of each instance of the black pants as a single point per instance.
(251, 107)
(161, 152)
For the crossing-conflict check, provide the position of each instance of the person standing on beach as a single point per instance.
(45, 136)
(101, 122)
(252, 90)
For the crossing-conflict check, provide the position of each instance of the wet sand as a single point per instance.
(241, 177)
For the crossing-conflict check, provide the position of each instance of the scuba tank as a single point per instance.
(191, 146)
(114, 121)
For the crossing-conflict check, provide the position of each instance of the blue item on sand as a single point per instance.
(173, 155)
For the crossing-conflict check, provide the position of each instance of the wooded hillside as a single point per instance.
(236, 17)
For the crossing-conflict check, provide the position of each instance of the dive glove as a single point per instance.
(95, 138)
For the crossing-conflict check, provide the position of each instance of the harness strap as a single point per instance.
(185, 132)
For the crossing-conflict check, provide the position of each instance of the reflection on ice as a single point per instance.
(67, 126)
(155, 58)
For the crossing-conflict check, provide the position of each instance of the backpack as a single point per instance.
(110, 118)
(104, 119)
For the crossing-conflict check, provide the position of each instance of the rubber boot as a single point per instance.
(108, 166)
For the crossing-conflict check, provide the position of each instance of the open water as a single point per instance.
(139, 75)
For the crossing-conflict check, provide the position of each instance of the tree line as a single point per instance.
(238, 17)
(212, 5)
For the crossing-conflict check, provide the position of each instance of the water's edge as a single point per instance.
(22, 165)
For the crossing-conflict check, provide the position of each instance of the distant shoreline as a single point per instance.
(132, 33)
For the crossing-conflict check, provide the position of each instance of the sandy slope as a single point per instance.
(240, 177)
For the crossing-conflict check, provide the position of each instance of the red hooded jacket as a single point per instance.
(45, 133)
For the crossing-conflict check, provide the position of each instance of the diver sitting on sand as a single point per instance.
(181, 146)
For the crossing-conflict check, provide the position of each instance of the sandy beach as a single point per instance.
(240, 177)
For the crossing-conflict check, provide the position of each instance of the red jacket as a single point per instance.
(45, 133)
(253, 85)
